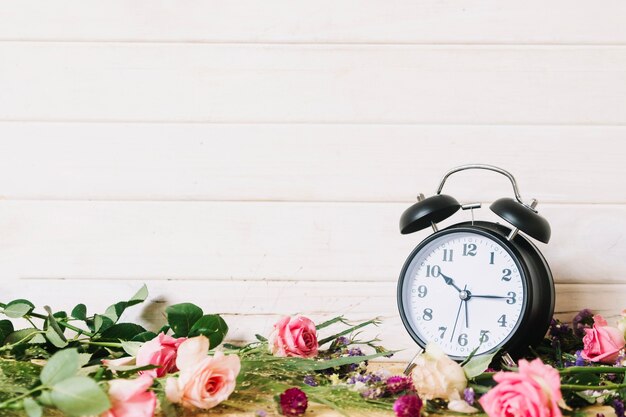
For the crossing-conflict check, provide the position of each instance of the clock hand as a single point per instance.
(456, 320)
(488, 296)
(450, 282)
(466, 316)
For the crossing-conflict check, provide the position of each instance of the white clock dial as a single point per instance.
(463, 291)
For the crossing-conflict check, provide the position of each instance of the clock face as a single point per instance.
(463, 290)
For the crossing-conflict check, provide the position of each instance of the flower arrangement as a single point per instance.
(96, 365)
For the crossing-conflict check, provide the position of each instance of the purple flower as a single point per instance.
(408, 406)
(293, 402)
(373, 393)
(355, 352)
(260, 413)
(579, 359)
(342, 341)
(582, 320)
(558, 329)
(398, 383)
(618, 406)
(469, 396)
(310, 381)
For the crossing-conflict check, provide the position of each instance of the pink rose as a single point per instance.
(533, 391)
(131, 398)
(160, 351)
(294, 336)
(204, 381)
(602, 343)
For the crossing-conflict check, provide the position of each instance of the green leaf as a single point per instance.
(477, 365)
(101, 323)
(18, 308)
(38, 339)
(54, 333)
(122, 331)
(32, 407)
(62, 365)
(181, 317)
(260, 338)
(79, 312)
(212, 326)
(131, 347)
(144, 337)
(139, 297)
(54, 338)
(23, 335)
(79, 396)
(6, 328)
(115, 311)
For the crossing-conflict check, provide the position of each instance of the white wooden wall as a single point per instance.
(254, 157)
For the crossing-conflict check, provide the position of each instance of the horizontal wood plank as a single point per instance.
(256, 241)
(400, 21)
(48, 81)
(382, 163)
(251, 307)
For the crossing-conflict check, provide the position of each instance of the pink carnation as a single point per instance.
(602, 343)
(533, 391)
(294, 336)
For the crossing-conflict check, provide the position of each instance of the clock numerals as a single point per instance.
(433, 271)
(428, 314)
(442, 331)
(506, 274)
(484, 336)
(469, 249)
(492, 256)
(462, 339)
(447, 255)
(502, 320)
(422, 291)
(511, 299)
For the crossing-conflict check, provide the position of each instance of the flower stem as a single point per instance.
(575, 370)
(103, 344)
(574, 387)
(10, 401)
(61, 323)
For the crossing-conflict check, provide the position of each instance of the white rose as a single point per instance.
(437, 376)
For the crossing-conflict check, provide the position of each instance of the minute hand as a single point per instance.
(488, 296)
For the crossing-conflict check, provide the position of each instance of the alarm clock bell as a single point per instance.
(432, 210)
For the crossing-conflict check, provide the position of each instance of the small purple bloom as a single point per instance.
(469, 396)
(582, 320)
(342, 341)
(310, 381)
(408, 406)
(558, 329)
(293, 402)
(373, 393)
(260, 413)
(618, 406)
(355, 352)
(398, 383)
(579, 359)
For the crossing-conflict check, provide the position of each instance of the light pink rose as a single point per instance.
(602, 343)
(533, 391)
(204, 381)
(131, 398)
(294, 336)
(160, 351)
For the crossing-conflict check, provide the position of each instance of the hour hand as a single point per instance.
(450, 282)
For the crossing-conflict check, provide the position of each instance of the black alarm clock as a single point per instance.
(476, 286)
